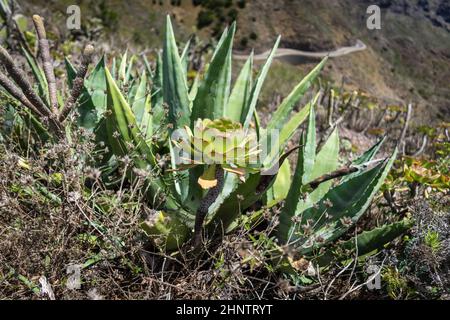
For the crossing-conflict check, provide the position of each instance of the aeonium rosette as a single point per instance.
(220, 143)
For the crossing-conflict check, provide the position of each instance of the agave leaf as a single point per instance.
(21, 125)
(369, 154)
(132, 89)
(309, 149)
(5, 11)
(194, 191)
(350, 199)
(229, 185)
(181, 180)
(250, 108)
(212, 96)
(175, 93)
(368, 241)
(142, 107)
(286, 225)
(123, 67)
(326, 161)
(71, 72)
(114, 68)
(327, 158)
(376, 238)
(239, 199)
(287, 127)
(174, 82)
(280, 188)
(128, 75)
(123, 120)
(211, 99)
(138, 103)
(22, 22)
(92, 101)
(148, 67)
(166, 231)
(243, 196)
(282, 114)
(365, 157)
(126, 139)
(38, 75)
(184, 56)
(288, 130)
(157, 94)
(40, 129)
(220, 42)
(257, 125)
(194, 89)
(240, 94)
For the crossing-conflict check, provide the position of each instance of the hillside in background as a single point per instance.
(408, 60)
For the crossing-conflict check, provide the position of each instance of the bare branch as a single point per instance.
(78, 82)
(401, 141)
(422, 147)
(14, 91)
(330, 107)
(21, 80)
(47, 64)
(332, 175)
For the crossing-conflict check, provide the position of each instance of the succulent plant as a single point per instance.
(208, 192)
(227, 108)
(316, 213)
(221, 142)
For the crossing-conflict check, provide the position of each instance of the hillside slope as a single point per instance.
(408, 60)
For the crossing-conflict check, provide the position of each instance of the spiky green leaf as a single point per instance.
(247, 113)
(367, 241)
(175, 89)
(282, 114)
(349, 200)
(212, 95)
(240, 94)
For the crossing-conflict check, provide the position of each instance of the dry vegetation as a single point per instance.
(59, 209)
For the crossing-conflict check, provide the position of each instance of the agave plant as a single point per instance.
(210, 103)
(316, 213)
(211, 194)
(213, 103)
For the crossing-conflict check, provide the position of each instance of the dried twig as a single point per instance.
(78, 82)
(370, 279)
(388, 196)
(369, 123)
(47, 64)
(355, 113)
(332, 175)
(21, 80)
(14, 91)
(383, 115)
(401, 141)
(330, 108)
(422, 147)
